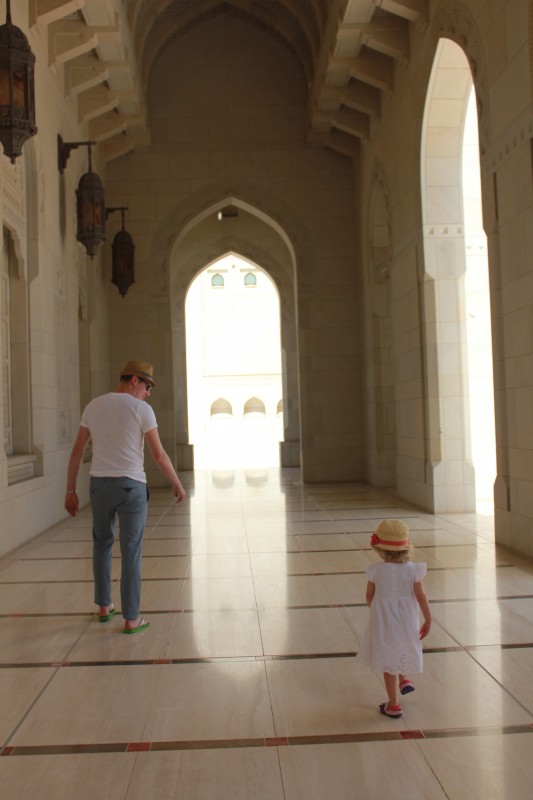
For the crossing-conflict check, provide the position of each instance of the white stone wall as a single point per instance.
(50, 261)
(499, 55)
(366, 380)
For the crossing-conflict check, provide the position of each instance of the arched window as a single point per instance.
(254, 406)
(221, 406)
(250, 279)
(217, 280)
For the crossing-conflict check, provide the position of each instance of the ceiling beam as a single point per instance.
(355, 123)
(411, 10)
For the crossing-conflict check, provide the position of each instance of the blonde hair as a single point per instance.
(393, 556)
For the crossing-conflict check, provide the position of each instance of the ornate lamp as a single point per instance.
(123, 256)
(17, 96)
(90, 200)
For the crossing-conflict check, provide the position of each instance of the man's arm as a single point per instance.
(76, 455)
(164, 463)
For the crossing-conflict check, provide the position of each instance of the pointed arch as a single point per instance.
(449, 466)
(454, 21)
(221, 406)
(190, 237)
(254, 405)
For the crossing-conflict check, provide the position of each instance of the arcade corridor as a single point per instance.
(245, 684)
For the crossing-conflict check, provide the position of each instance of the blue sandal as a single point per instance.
(390, 711)
(406, 686)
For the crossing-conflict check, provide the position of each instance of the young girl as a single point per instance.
(394, 593)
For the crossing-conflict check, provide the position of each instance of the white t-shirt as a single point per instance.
(117, 423)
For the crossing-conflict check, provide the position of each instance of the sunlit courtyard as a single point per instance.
(234, 367)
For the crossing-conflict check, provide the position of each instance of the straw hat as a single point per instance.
(391, 534)
(142, 369)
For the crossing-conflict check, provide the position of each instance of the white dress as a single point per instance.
(392, 639)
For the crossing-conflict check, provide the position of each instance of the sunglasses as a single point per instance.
(149, 386)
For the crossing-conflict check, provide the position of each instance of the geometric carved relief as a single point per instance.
(20, 468)
(380, 236)
(13, 192)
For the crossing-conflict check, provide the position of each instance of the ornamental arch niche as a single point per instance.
(196, 234)
(19, 267)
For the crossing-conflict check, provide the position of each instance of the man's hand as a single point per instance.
(72, 503)
(179, 492)
(162, 460)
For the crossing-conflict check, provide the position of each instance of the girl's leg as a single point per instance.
(391, 685)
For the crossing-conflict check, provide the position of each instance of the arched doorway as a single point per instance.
(455, 289)
(234, 380)
(196, 234)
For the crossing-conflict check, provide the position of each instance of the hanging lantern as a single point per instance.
(90, 199)
(123, 257)
(17, 96)
(90, 205)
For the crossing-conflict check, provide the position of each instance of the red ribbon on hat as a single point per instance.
(375, 540)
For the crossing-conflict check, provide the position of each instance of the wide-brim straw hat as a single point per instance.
(142, 369)
(391, 534)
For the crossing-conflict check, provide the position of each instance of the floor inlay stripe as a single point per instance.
(210, 659)
(282, 741)
(310, 607)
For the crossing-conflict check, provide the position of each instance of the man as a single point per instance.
(118, 424)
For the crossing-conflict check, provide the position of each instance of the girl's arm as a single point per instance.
(370, 592)
(422, 599)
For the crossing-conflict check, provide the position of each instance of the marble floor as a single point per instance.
(245, 684)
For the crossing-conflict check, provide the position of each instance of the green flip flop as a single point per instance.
(107, 617)
(141, 627)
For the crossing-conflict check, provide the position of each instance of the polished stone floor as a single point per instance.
(245, 684)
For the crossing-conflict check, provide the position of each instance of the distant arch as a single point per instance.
(221, 406)
(254, 406)
(190, 237)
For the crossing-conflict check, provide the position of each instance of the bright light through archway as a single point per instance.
(478, 323)
(234, 382)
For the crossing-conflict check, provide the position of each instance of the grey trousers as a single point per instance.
(127, 499)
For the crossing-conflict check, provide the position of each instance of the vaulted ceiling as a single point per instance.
(348, 51)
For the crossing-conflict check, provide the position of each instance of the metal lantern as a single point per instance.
(17, 95)
(123, 257)
(90, 206)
